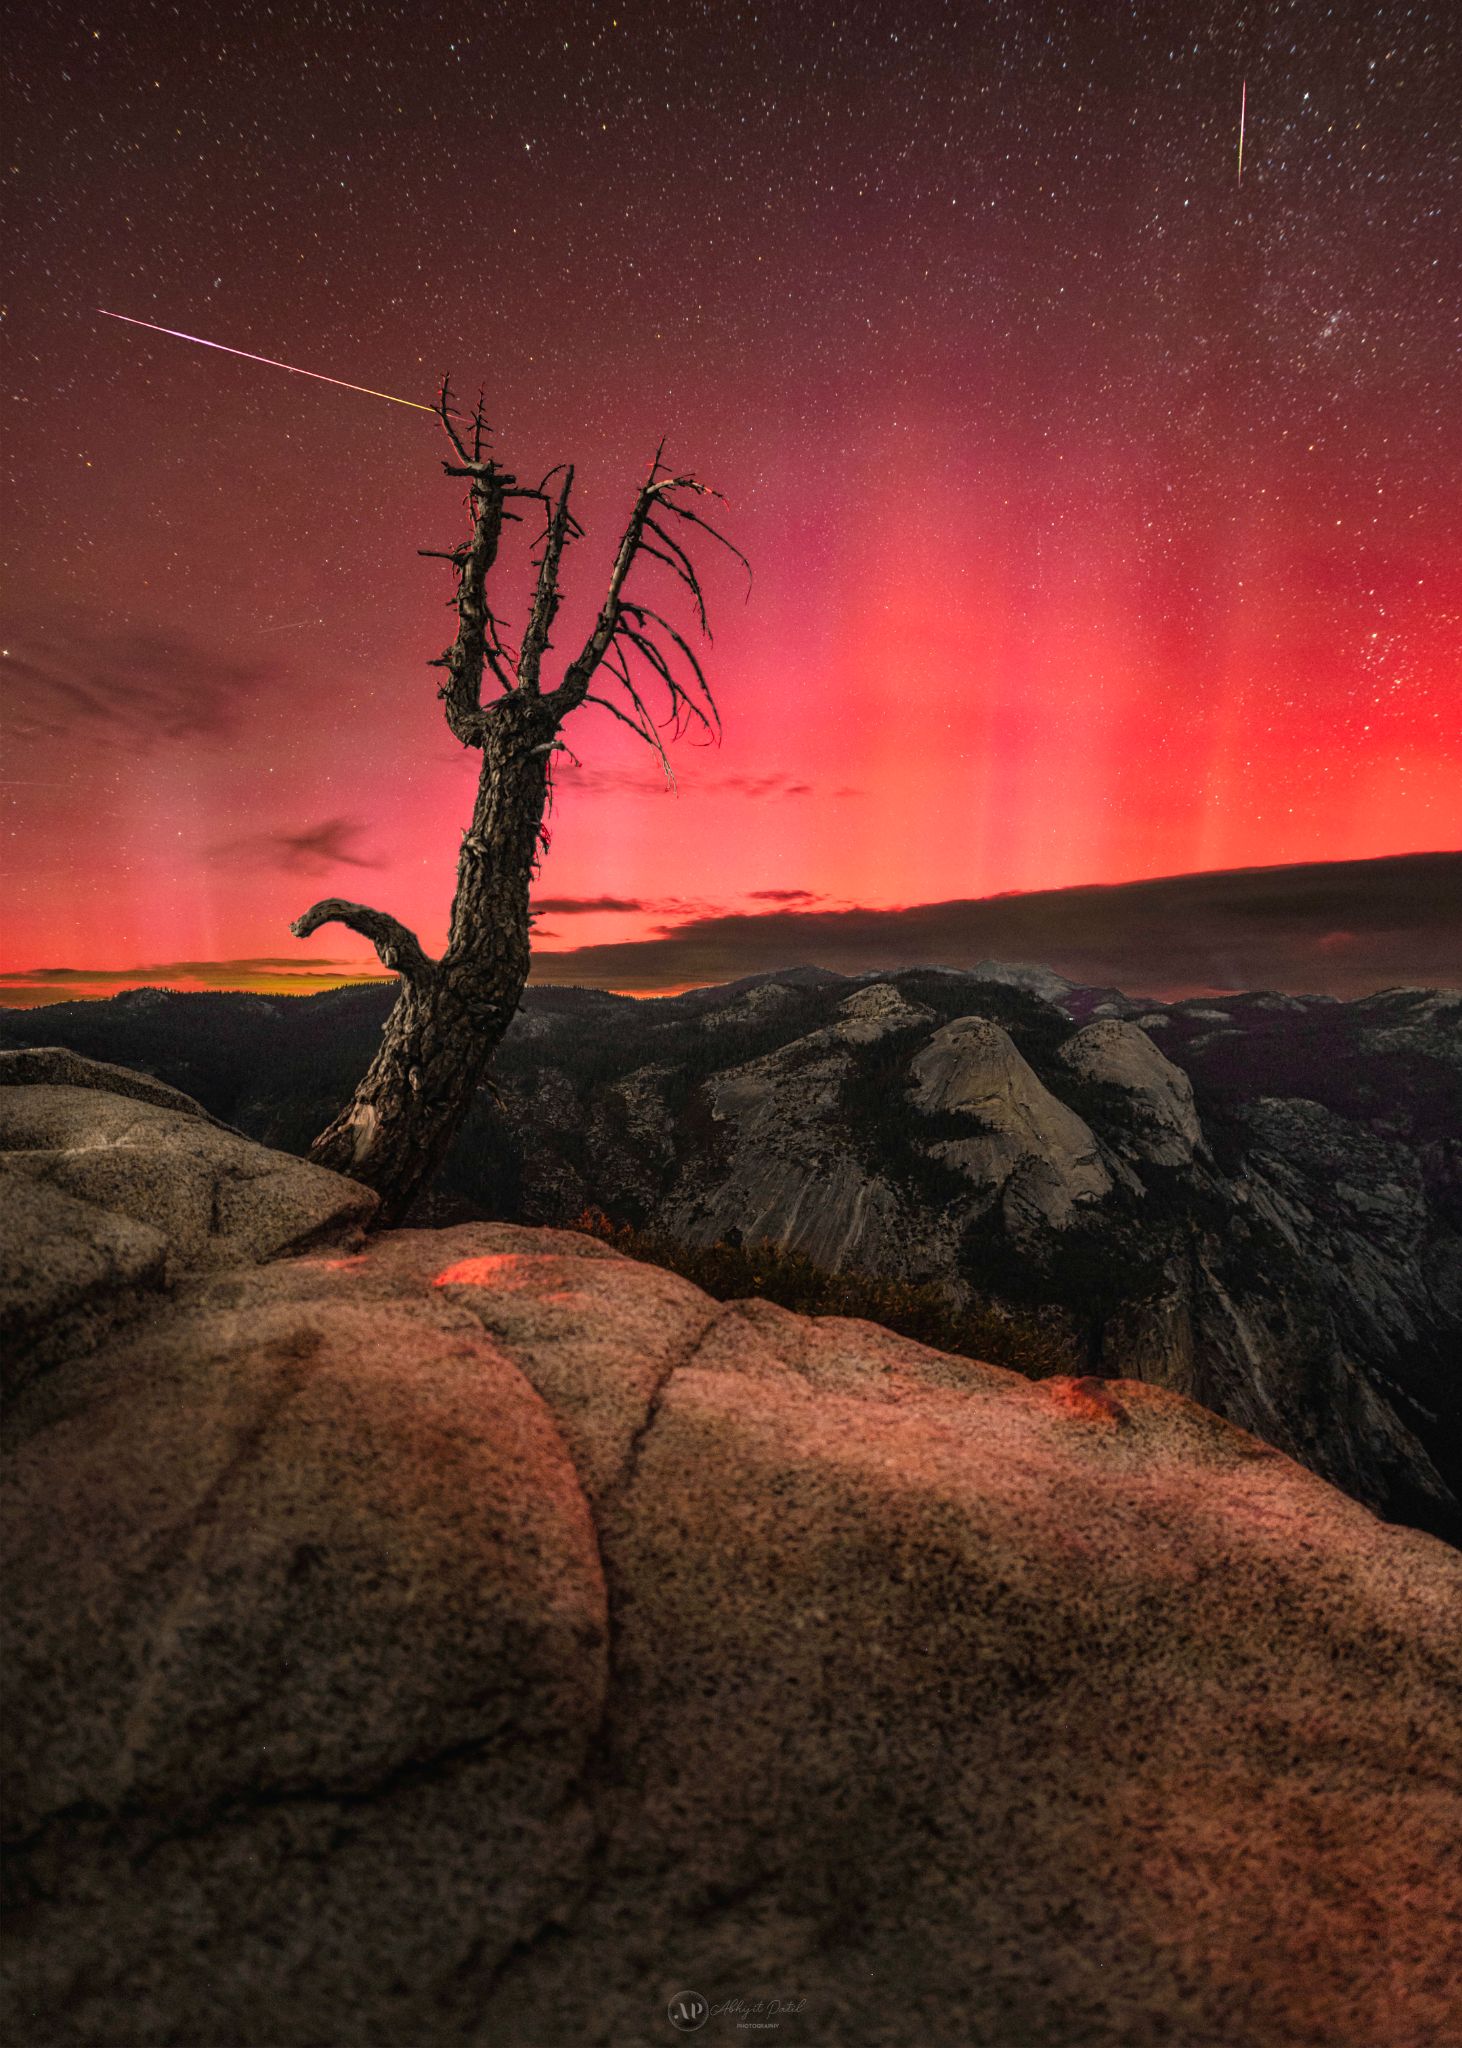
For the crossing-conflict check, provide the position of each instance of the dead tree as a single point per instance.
(451, 1013)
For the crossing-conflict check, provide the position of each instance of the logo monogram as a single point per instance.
(688, 2011)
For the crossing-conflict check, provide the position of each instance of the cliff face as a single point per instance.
(1256, 1200)
(477, 1638)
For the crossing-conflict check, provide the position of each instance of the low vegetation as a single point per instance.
(1021, 1342)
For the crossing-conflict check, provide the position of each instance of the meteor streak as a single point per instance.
(293, 368)
(1243, 111)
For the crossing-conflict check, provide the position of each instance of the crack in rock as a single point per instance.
(597, 1778)
(636, 1446)
(187, 1542)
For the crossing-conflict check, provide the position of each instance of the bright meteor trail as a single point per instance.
(293, 368)
(1243, 110)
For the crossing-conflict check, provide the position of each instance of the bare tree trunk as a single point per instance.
(451, 1014)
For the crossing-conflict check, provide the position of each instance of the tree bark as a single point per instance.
(450, 1015)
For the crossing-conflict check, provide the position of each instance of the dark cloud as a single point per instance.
(581, 906)
(677, 908)
(610, 781)
(1339, 928)
(758, 787)
(132, 686)
(313, 851)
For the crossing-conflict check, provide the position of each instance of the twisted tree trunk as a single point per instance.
(451, 1014)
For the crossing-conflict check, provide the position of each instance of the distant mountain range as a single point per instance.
(1255, 1199)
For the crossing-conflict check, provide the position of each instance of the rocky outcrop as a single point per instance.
(1115, 1053)
(1040, 981)
(1398, 1017)
(971, 1068)
(479, 1639)
(875, 1012)
(780, 1173)
(56, 1066)
(68, 1270)
(1283, 1369)
(111, 1184)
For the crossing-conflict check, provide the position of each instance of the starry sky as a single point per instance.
(1103, 509)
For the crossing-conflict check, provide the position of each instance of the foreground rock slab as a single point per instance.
(479, 1639)
(113, 1185)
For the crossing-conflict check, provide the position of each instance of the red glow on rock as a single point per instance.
(1090, 1399)
(487, 1270)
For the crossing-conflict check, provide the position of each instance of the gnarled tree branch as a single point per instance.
(547, 596)
(652, 492)
(644, 618)
(399, 949)
(574, 687)
(477, 645)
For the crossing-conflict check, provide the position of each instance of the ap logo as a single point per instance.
(688, 2010)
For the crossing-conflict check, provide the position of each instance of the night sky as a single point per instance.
(1104, 512)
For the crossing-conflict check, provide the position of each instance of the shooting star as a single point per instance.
(1243, 112)
(293, 368)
